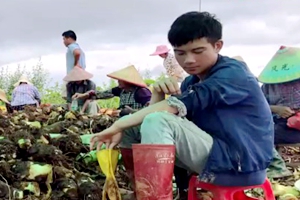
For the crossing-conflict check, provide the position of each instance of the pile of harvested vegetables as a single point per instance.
(44, 154)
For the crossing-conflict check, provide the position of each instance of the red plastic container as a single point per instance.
(153, 169)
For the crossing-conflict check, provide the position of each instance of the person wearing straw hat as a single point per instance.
(24, 94)
(4, 99)
(281, 86)
(218, 124)
(170, 63)
(78, 83)
(132, 90)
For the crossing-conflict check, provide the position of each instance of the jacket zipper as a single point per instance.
(239, 163)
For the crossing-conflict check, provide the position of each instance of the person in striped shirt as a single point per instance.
(24, 94)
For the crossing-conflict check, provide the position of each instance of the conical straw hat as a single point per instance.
(283, 67)
(239, 58)
(78, 74)
(129, 75)
(22, 79)
(3, 96)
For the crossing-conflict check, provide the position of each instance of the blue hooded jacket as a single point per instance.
(230, 106)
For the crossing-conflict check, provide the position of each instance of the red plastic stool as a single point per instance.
(228, 193)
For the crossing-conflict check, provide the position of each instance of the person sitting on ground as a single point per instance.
(219, 121)
(79, 83)
(281, 88)
(132, 90)
(170, 63)
(24, 94)
(4, 99)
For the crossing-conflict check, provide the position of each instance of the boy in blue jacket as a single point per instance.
(218, 122)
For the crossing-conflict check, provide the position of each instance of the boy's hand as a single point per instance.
(167, 86)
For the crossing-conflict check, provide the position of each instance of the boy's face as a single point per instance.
(198, 56)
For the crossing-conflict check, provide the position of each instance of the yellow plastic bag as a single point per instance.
(108, 160)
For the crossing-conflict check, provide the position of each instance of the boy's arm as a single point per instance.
(200, 96)
(138, 117)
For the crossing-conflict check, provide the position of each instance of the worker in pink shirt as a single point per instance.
(170, 63)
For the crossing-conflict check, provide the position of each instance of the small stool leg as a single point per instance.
(192, 192)
(268, 191)
(240, 195)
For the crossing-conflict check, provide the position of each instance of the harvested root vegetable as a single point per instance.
(22, 134)
(70, 115)
(5, 168)
(90, 191)
(62, 172)
(57, 127)
(74, 129)
(8, 150)
(53, 117)
(7, 192)
(34, 124)
(28, 187)
(68, 187)
(24, 143)
(4, 122)
(43, 153)
(69, 144)
(30, 171)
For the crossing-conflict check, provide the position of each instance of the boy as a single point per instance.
(219, 121)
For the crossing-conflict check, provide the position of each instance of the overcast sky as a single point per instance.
(116, 33)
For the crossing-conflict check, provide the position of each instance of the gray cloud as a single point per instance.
(32, 28)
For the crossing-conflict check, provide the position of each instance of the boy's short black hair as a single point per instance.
(194, 25)
(70, 34)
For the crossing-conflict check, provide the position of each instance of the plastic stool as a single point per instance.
(228, 193)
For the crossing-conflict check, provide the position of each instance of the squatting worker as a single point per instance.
(131, 90)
